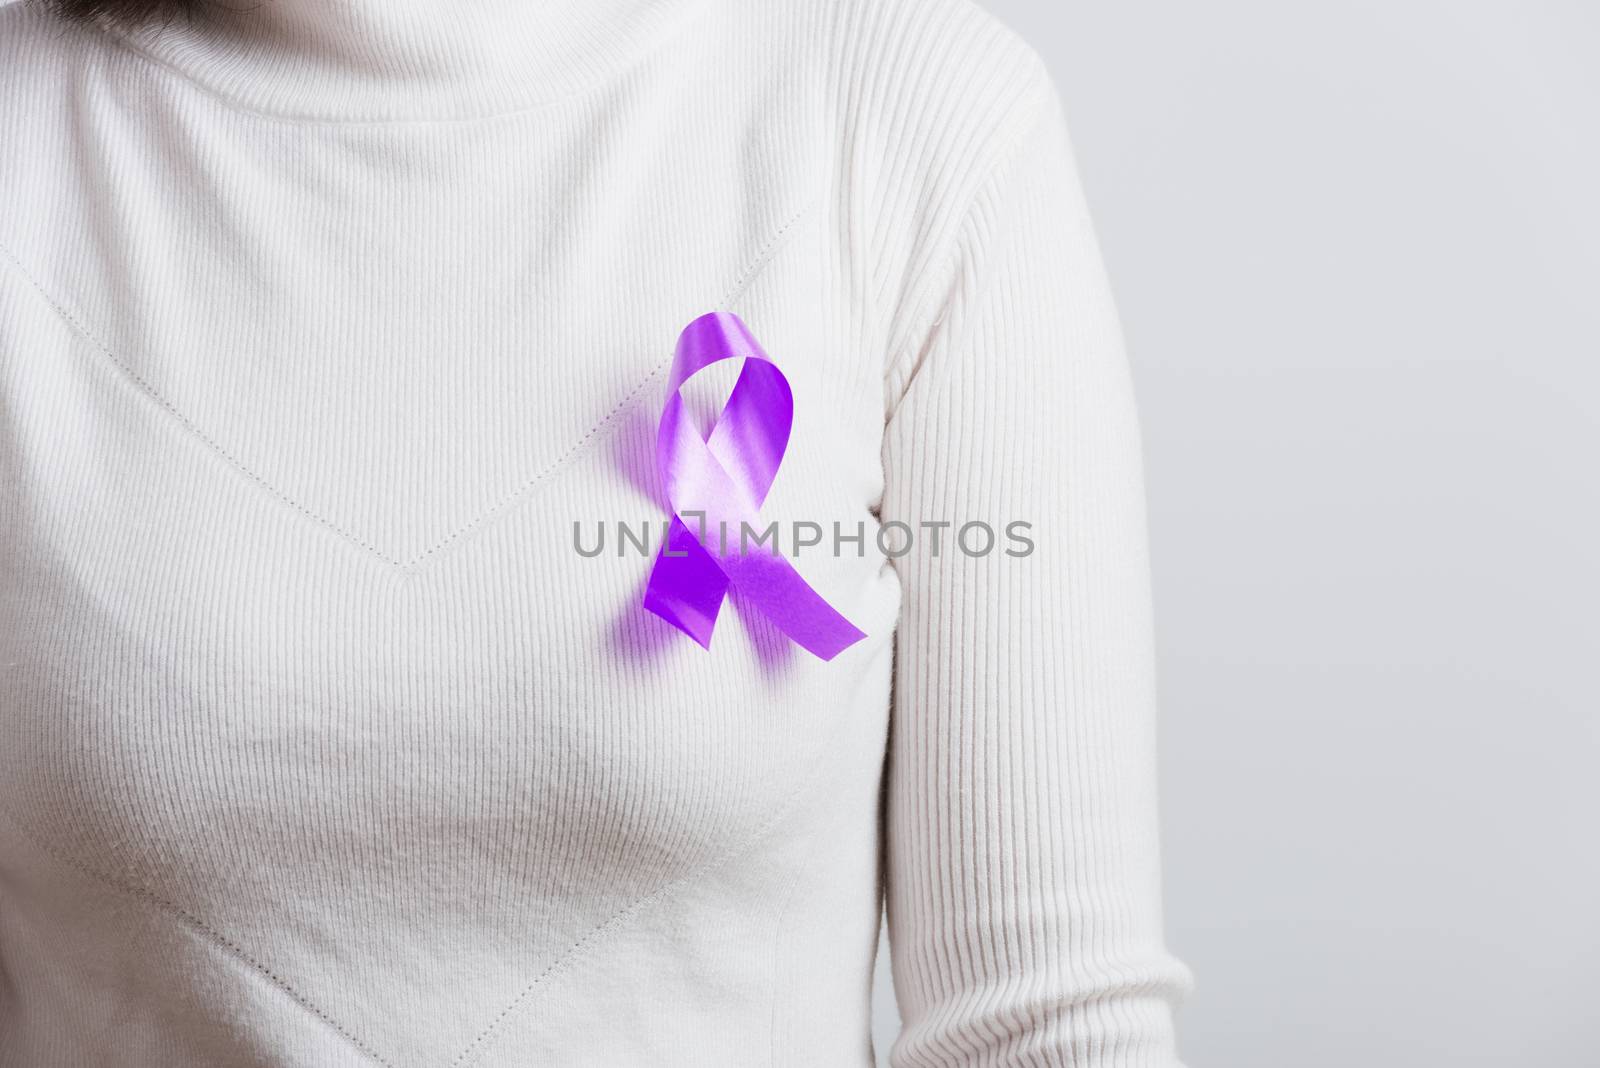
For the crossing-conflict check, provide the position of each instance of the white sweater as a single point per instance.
(323, 324)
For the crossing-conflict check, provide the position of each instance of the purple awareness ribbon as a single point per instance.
(724, 477)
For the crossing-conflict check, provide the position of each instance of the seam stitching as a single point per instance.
(470, 1053)
(750, 272)
(201, 928)
(184, 421)
(762, 258)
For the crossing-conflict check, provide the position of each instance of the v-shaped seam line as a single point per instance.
(763, 256)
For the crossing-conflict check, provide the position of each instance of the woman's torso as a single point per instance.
(320, 742)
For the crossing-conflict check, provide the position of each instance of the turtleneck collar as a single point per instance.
(400, 60)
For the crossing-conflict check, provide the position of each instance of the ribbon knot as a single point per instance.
(723, 478)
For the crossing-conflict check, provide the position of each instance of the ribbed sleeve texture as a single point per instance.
(331, 333)
(1023, 888)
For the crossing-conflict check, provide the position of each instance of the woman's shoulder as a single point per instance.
(956, 34)
(942, 86)
(934, 94)
(936, 59)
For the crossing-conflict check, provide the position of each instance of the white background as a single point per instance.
(1356, 247)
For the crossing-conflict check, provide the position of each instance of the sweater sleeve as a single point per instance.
(1021, 862)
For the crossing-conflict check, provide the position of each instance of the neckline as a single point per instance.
(380, 61)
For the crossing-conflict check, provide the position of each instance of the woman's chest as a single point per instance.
(357, 628)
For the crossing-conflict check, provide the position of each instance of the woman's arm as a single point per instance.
(1023, 885)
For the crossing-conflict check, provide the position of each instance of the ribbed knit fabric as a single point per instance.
(323, 327)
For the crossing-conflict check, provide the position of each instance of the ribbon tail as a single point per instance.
(686, 590)
(785, 598)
